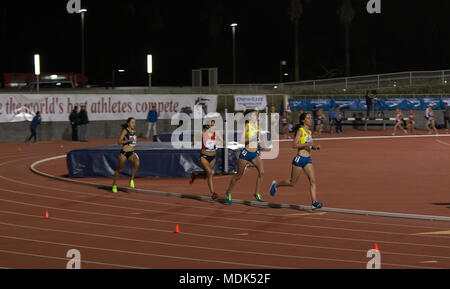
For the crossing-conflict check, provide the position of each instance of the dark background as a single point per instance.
(186, 35)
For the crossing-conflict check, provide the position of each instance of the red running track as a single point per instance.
(132, 230)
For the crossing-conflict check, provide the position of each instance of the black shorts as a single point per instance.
(208, 158)
(127, 154)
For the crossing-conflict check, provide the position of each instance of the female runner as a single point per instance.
(128, 141)
(249, 154)
(304, 143)
(208, 156)
(398, 121)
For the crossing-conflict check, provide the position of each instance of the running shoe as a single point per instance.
(317, 205)
(191, 180)
(214, 196)
(273, 188)
(132, 184)
(229, 199)
(258, 197)
(114, 189)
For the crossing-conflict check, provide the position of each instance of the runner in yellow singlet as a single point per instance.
(304, 143)
(250, 154)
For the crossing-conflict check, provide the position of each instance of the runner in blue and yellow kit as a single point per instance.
(249, 154)
(304, 143)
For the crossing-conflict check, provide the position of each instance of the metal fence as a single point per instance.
(387, 80)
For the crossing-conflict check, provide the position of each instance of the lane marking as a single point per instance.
(65, 259)
(245, 202)
(241, 234)
(443, 142)
(178, 257)
(232, 228)
(194, 215)
(157, 255)
(371, 137)
(234, 239)
(109, 197)
(435, 233)
(307, 214)
(431, 261)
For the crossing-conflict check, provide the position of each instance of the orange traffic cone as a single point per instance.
(61, 146)
(46, 215)
(177, 229)
(376, 247)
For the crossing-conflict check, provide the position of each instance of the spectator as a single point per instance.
(446, 116)
(285, 125)
(314, 115)
(332, 118)
(431, 120)
(290, 124)
(187, 110)
(411, 122)
(398, 121)
(273, 119)
(33, 127)
(368, 97)
(320, 121)
(339, 117)
(74, 122)
(152, 118)
(83, 121)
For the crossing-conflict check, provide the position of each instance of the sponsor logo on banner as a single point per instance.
(435, 102)
(391, 103)
(297, 104)
(55, 107)
(243, 102)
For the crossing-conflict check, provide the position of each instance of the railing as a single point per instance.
(376, 81)
(342, 84)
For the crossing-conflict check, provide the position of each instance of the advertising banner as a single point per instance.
(243, 102)
(54, 107)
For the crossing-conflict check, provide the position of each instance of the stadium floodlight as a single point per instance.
(149, 64)
(82, 12)
(233, 30)
(37, 64)
(149, 70)
(37, 70)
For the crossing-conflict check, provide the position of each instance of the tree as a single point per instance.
(346, 14)
(295, 13)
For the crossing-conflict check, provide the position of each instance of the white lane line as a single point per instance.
(65, 259)
(198, 207)
(252, 203)
(442, 142)
(209, 248)
(211, 217)
(231, 228)
(140, 253)
(372, 137)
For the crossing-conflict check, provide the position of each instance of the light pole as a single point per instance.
(282, 62)
(37, 70)
(149, 70)
(82, 12)
(113, 78)
(233, 29)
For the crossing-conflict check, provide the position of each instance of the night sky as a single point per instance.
(186, 35)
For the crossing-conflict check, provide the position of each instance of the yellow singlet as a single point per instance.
(252, 136)
(252, 131)
(306, 136)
